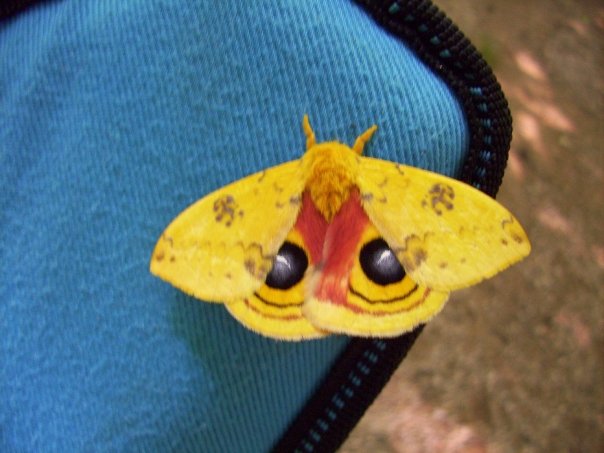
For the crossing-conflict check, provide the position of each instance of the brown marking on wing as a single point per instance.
(399, 168)
(255, 262)
(413, 253)
(226, 210)
(511, 229)
(439, 198)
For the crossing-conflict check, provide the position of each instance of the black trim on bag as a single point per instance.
(9, 8)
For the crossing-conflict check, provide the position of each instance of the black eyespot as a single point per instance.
(288, 267)
(379, 263)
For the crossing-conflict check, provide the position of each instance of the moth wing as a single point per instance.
(277, 312)
(446, 234)
(222, 246)
(361, 289)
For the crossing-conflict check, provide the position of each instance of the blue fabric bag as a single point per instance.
(115, 116)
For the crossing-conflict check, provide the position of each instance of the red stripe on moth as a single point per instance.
(340, 250)
(312, 227)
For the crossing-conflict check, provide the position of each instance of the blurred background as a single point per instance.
(516, 364)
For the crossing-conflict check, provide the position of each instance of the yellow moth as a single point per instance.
(337, 243)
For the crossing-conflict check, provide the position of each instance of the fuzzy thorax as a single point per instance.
(330, 174)
(330, 169)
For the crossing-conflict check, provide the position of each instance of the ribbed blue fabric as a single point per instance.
(116, 115)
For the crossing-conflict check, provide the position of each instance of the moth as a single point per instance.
(336, 242)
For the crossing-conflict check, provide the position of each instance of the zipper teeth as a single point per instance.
(444, 48)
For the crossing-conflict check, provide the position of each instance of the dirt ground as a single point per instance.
(516, 364)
